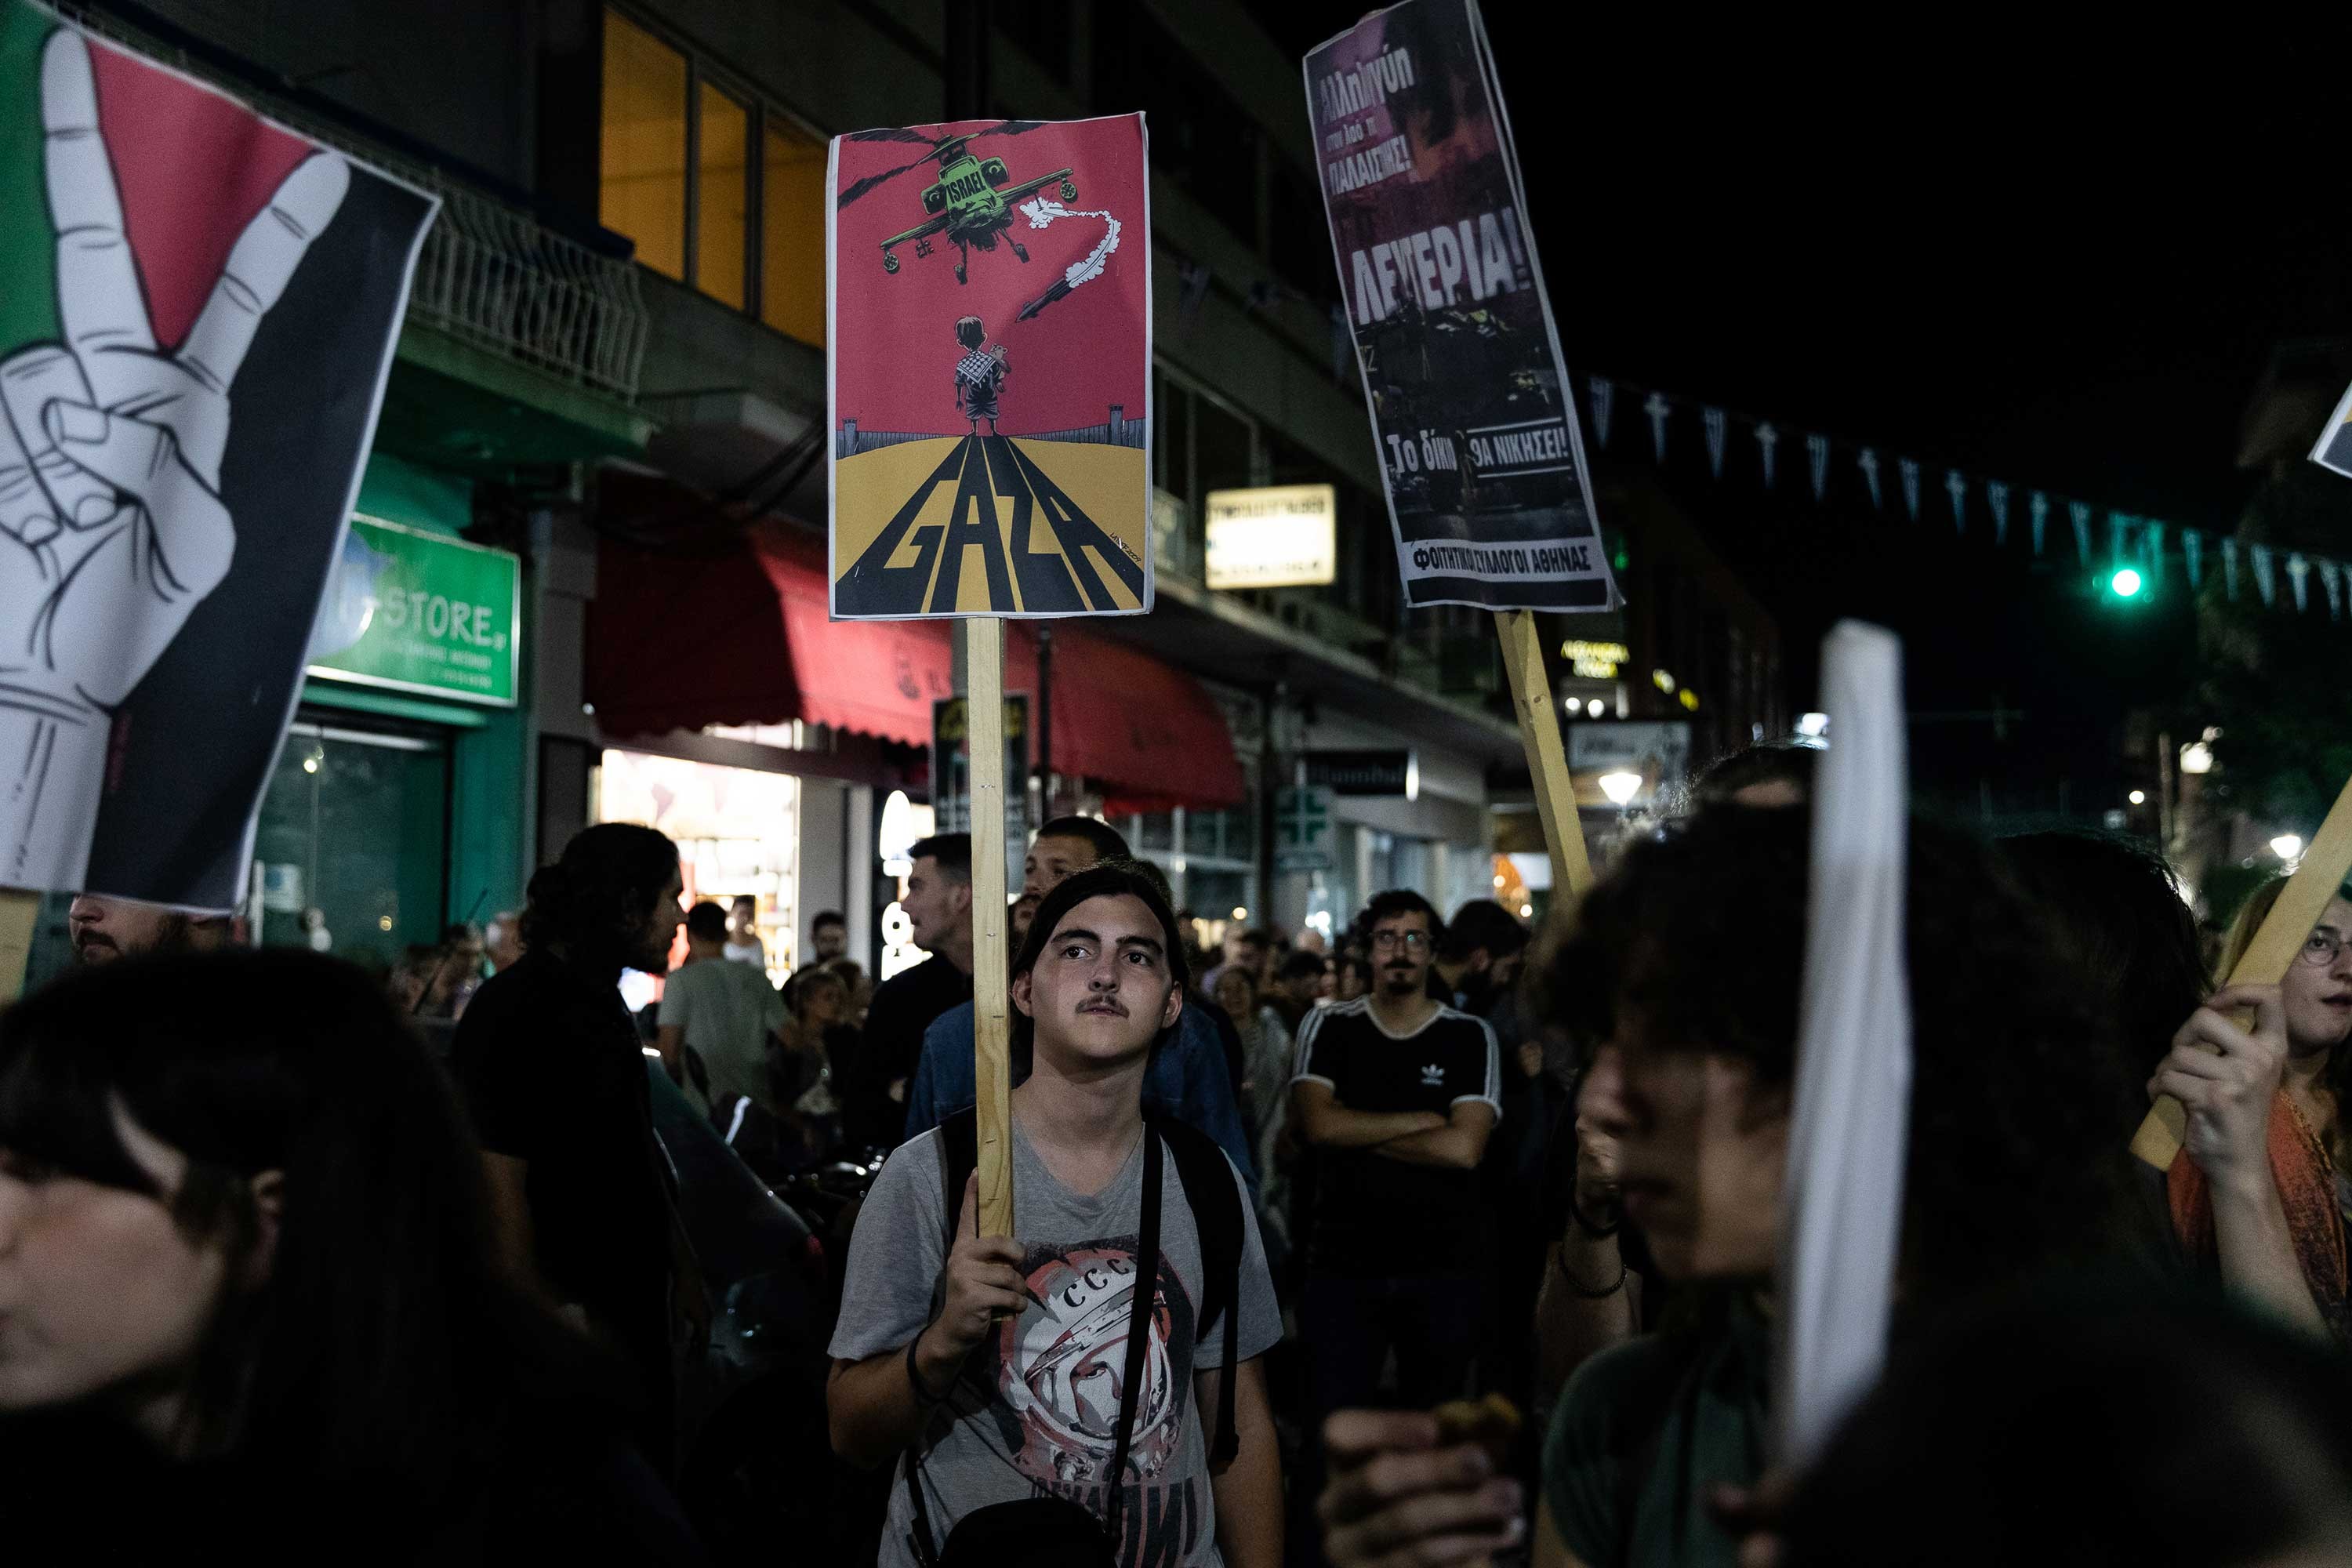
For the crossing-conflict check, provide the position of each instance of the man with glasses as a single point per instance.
(1395, 1092)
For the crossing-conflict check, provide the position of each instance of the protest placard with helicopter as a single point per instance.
(991, 419)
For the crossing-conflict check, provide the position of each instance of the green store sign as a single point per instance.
(410, 611)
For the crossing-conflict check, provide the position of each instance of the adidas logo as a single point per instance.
(1432, 1075)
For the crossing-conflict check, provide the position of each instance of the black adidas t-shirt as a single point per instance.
(1374, 1214)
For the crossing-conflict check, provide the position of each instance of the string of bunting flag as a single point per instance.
(2142, 544)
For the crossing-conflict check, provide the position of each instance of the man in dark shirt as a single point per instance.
(1395, 1093)
(939, 905)
(555, 1078)
(1476, 959)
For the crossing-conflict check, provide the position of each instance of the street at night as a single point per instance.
(1173, 783)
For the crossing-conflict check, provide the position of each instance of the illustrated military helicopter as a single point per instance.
(972, 201)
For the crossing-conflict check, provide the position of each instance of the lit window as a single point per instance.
(722, 207)
(642, 190)
(792, 233)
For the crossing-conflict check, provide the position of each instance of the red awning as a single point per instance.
(738, 635)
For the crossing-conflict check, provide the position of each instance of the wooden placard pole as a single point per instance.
(984, 642)
(2300, 904)
(20, 911)
(1571, 871)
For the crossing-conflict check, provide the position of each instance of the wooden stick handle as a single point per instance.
(992, 1037)
(2282, 932)
(1571, 871)
(20, 912)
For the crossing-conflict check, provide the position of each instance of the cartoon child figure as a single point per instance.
(979, 374)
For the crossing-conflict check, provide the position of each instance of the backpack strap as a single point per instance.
(1145, 1297)
(1215, 1199)
(958, 1157)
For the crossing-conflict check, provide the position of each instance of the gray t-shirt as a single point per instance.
(727, 1011)
(1036, 1413)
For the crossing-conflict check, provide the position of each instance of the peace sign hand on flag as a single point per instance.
(112, 527)
(110, 453)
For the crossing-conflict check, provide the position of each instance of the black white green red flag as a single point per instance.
(197, 312)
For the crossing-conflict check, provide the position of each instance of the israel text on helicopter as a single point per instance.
(972, 201)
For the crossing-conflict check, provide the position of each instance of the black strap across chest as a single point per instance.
(1145, 1295)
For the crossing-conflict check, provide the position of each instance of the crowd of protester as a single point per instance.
(405, 1249)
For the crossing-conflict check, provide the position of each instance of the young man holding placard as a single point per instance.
(1011, 1371)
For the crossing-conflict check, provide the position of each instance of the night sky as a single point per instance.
(2058, 257)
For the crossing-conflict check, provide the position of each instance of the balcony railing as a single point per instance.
(496, 278)
(490, 273)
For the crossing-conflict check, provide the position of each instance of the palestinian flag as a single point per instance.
(197, 313)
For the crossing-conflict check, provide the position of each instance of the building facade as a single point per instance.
(614, 373)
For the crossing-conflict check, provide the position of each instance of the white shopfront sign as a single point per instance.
(1277, 536)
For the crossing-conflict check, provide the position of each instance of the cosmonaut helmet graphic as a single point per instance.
(1063, 1374)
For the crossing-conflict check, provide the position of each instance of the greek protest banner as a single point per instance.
(197, 311)
(1484, 467)
(989, 318)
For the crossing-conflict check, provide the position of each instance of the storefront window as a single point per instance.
(1216, 893)
(1201, 839)
(1399, 862)
(354, 842)
(737, 832)
(1215, 870)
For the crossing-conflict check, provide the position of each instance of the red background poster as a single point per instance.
(962, 489)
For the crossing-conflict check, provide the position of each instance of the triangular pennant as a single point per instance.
(2298, 576)
(2264, 585)
(1767, 442)
(1604, 403)
(2229, 568)
(2331, 577)
(1910, 471)
(1868, 464)
(1656, 409)
(2079, 512)
(1817, 453)
(2118, 530)
(2192, 555)
(1955, 486)
(1996, 497)
(1717, 425)
(2152, 546)
(1194, 278)
(2039, 504)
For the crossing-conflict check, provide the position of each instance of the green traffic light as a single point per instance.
(2124, 583)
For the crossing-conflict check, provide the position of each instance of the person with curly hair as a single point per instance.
(1688, 959)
